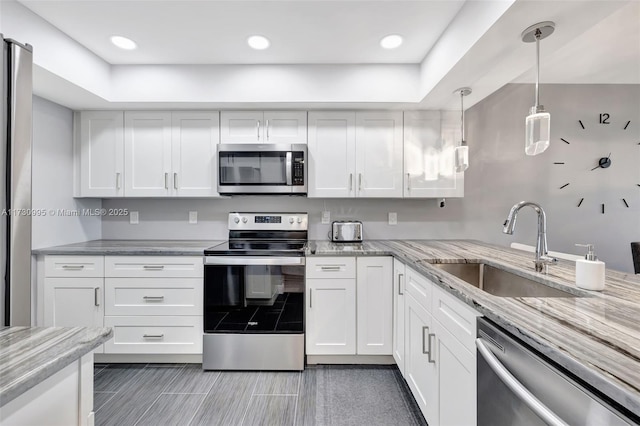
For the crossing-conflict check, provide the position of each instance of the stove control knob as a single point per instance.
(290, 220)
(299, 220)
(236, 219)
(244, 220)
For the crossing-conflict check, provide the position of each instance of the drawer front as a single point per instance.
(419, 287)
(153, 266)
(331, 267)
(74, 266)
(154, 335)
(153, 296)
(458, 318)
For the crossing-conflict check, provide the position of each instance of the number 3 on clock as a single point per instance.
(604, 118)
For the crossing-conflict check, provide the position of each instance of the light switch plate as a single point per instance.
(326, 217)
(133, 218)
(393, 218)
(193, 217)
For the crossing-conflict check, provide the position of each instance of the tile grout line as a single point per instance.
(195, 412)
(295, 411)
(275, 394)
(159, 395)
(246, 410)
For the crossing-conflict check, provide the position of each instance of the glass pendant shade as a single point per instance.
(537, 131)
(462, 157)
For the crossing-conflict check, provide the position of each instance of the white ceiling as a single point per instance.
(215, 31)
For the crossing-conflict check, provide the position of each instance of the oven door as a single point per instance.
(254, 294)
(262, 169)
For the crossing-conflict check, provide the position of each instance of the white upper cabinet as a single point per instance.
(263, 127)
(193, 159)
(379, 154)
(430, 138)
(332, 154)
(101, 153)
(147, 142)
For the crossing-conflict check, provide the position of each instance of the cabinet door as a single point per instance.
(379, 154)
(101, 153)
(193, 159)
(285, 126)
(374, 305)
(332, 154)
(457, 379)
(147, 155)
(331, 317)
(420, 371)
(398, 313)
(242, 127)
(73, 302)
(429, 142)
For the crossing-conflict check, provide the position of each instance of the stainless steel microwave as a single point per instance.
(249, 169)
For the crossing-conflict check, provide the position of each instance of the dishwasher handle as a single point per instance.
(518, 388)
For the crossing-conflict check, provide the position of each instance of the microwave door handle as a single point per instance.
(288, 167)
(518, 388)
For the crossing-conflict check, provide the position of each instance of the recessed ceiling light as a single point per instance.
(258, 42)
(123, 42)
(391, 41)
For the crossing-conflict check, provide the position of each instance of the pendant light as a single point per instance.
(538, 122)
(461, 152)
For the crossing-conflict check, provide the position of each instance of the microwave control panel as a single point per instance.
(298, 168)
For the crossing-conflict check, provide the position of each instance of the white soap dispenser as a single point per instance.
(590, 270)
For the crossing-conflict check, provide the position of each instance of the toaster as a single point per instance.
(346, 231)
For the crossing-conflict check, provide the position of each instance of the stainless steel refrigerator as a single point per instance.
(16, 93)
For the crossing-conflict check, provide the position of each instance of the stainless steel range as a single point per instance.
(254, 294)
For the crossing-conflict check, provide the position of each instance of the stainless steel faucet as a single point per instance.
(542, 256)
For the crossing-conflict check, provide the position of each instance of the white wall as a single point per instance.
(500, 175)
(53, 180)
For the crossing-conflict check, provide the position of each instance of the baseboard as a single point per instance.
(350, 359)
(146, 358)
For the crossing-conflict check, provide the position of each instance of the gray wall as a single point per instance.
(500, 175)
(53, 179)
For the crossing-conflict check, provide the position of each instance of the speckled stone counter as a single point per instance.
(29, 355)
(133, 248)
(595, 335)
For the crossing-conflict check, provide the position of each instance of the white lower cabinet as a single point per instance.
(398, 313)
(349, 306)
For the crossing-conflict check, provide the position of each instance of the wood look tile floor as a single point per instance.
(184, 394)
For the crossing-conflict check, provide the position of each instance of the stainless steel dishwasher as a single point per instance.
(517, 386)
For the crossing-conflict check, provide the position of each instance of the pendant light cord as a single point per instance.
(537, 35)
(462, 142)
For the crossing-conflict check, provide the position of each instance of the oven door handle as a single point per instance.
(253, 260)
(518, 388)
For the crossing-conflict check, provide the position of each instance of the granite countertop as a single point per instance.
(28, 355)
(133, 248)
(596, 335)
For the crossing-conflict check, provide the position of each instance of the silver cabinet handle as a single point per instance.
(424, 351)
(350, 182)
(153, 267)
(258, 128)
(400, 279)
(518, 388)
(267, 130)
(408, 182)
(153, 336)
(310, 299)
(330, 268)
(153, 297)
(359, 181)
(166, 181)
(96, 296)
(73, 267)
(429, 348)
(175, 181)
(118, 180)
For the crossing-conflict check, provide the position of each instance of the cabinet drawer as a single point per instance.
(154, 335)
(74, 266)
(153, 296)
(458, 318)
(419, 287)
(153, 266)
(331, 267)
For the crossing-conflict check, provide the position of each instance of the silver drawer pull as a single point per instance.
(330, 268)
(153, 297)
(430, 348)
(73, 267)
(425, 351)
(153, 336)
(153, 267)
(400, 279)
(96, 296)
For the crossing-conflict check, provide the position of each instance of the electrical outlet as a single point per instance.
(133, 218)
(393, 218)
(326, 217)
(193, 217)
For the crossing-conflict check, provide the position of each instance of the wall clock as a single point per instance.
(602, 159)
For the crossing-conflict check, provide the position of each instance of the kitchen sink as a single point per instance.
(499, 282)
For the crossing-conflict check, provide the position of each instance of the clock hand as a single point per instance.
(596, 167)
